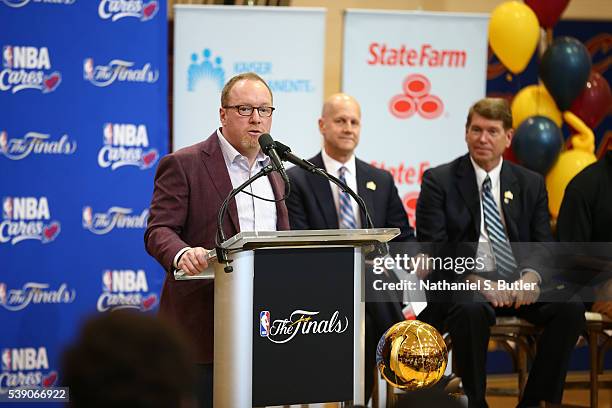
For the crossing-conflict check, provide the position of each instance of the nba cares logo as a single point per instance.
(118, 9)
(416, 98)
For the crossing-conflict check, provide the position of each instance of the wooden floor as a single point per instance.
(571, 397)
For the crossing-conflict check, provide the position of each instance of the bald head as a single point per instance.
(340, 125)
(338, 100)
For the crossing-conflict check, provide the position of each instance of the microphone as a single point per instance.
(269, 148)
(285, 154)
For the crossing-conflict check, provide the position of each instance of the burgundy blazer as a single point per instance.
(190, 186)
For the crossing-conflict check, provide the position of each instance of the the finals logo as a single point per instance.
(23, 3)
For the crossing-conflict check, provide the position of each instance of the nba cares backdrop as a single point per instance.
(415, 75)
(284, 45)
(83, 96)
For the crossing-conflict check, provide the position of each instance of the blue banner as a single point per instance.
(83, 96)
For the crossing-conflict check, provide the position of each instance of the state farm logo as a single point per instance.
(27, 67)
(25, 367)
(35, 143)
(21, 3)
(114, 217)
(302, 322)
(126, 144)
(117, 9)
(27, 218)
(34, 293)
(118, 70)
(416, 98)
(125, 289)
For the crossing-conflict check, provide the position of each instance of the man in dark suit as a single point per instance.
(480, 198)
(586, 216)
(190, 186)
(315, 204)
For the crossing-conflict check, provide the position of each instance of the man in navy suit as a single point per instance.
(315, 203)
(480, 198)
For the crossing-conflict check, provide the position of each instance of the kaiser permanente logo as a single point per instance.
(21, 3)
(205, 66)
(300, 322)
(126, 144)
(118, 70)
(125, 289)
(35, 143)
(27, 67)
(34, 293)
(27, 218)
(26, 367)
(117, 9)
(114, 218)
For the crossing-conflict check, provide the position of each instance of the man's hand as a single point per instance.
(496, 296)
(193, 261)
(527, 297)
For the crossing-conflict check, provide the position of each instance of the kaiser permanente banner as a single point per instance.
(415, 75)
(284, 45)
(83, 96)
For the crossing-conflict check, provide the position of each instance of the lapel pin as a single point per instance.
(508, 196)
(370, 185)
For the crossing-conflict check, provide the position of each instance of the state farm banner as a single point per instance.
(284, 45)
(415, 75)
(83, 96)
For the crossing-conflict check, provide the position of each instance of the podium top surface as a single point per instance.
(356, 237)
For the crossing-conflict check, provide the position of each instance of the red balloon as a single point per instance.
(510, 155)
(548, 11)
(595, 101)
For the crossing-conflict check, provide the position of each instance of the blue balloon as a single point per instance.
(537, 143)
(565, 69)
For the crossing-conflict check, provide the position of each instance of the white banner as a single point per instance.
(415, 75)
(283, 45)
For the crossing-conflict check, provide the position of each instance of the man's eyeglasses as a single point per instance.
(246, 110)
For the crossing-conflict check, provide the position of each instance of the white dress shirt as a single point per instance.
(332, 166)
(253, 214)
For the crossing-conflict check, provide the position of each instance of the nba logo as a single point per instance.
(87, 217)
(7, 56)
(107, 281)
(88, 68)
(6, 359)
(108, 133)
(264, 323)
(2, 293)
(3, 141)
(7, 208)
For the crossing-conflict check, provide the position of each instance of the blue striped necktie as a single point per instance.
(504, 259)
(347, 216)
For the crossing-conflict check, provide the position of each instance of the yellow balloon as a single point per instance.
(570, 163)
(534, 100)
(514, 32)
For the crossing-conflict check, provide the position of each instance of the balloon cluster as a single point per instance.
(570, 92)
